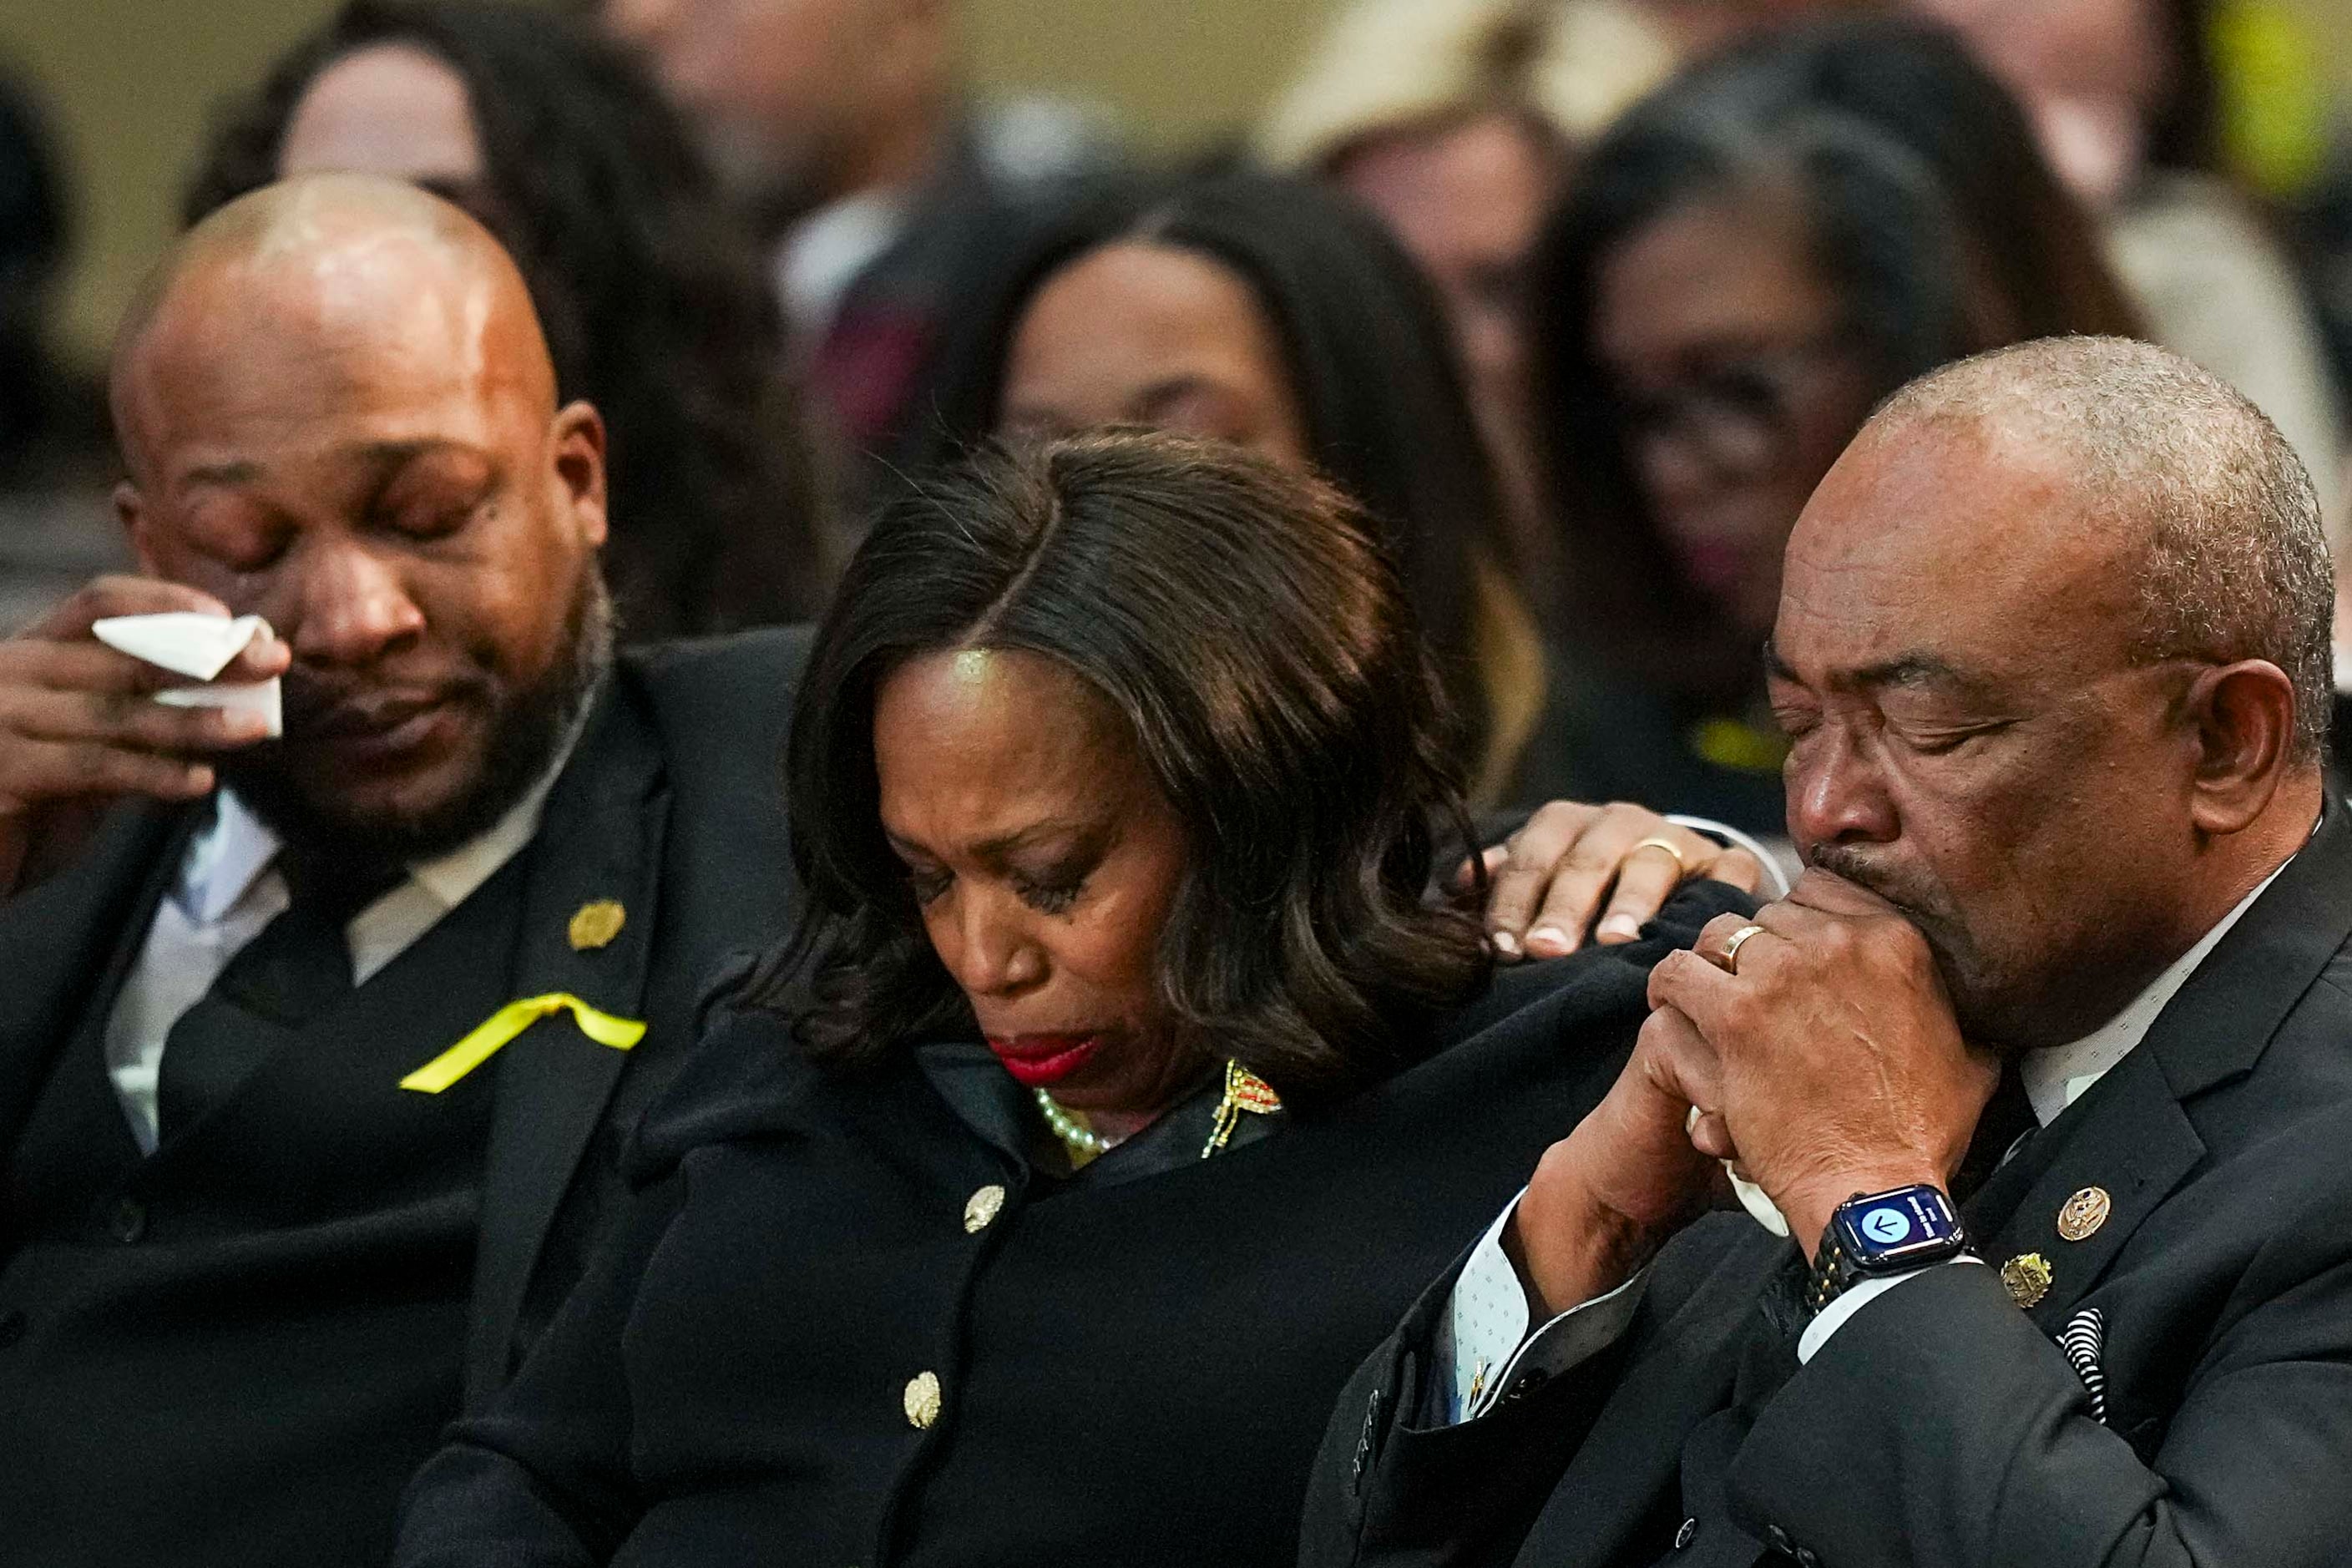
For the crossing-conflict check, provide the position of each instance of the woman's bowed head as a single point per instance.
(1123, 754)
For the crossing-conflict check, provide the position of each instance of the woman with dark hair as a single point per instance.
(1022, 1211)
(1276, 315)
(1753, 257)
(654, 305)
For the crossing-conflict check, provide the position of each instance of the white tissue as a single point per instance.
(182, 641)
(199, 647)
(1751, 1196)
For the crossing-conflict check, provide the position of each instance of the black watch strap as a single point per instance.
(1883, 1235)
(1832, 1271)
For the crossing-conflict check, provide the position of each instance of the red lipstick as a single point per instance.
(1036, 1060)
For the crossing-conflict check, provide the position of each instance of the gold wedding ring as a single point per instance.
(1731, 948)
(1667, 845)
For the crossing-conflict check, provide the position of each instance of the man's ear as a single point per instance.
(578, 442)
(130, 510)
(2242, 718)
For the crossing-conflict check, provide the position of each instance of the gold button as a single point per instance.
(922, 1400)
(982, 1208)
(2085, 1212)
(595, 925)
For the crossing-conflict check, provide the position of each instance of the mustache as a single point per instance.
(321, 703)
(1851, 863)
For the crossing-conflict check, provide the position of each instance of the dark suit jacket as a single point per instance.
(1942, 1425)
(669, 806)
(1131, 1371)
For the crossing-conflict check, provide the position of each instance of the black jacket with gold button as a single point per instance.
(849, 1322)
(235, 1351)
(2172, 1389)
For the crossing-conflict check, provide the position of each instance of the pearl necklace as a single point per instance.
(1083, 1142)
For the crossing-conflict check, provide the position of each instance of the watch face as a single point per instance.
(1892, 1230)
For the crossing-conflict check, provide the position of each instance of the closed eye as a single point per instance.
(1050, 898)
(1937, 742)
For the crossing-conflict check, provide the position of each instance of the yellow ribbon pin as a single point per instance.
(491, 1034)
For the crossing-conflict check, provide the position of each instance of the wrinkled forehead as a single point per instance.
(1978, 547)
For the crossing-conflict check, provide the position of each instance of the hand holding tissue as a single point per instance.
(199, 646)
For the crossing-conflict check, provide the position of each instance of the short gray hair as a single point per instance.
(2229, 553)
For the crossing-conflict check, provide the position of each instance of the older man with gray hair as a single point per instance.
(2046, 1065)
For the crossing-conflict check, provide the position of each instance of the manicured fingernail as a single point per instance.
(1505, 943)
(1624, 926)
(1551, 939)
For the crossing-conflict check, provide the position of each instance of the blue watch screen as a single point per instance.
(1890, 1229)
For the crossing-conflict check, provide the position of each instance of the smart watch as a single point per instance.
(1873, 1234)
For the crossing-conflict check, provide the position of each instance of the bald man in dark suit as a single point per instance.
(2043, 1065)
(252, 1259)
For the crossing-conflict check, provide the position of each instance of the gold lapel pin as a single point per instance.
(2027, 1279)
(596, 924)
(2085, 1212)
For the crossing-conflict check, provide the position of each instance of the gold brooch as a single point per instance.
(2085, 1212)
(2027, 1277)
(1245, 1093)
(595, 925)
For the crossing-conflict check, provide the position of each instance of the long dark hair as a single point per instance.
(1252, 631)
(653, 301)
(1371, 362)
(1930, 207)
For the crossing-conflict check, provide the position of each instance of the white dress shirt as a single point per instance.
(230, 888)
(826, 252)
(1482, 1346)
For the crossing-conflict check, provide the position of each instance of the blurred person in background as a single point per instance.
(1456, 122)
(1752, 258)
(2123, 94)
(56, 466)
(840, 127)
(1276, 315)
(651, 299)
(1702, 28)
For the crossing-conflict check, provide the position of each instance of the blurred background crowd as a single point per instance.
(1578, 297)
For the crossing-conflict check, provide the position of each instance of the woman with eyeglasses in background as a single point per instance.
(1752, 258)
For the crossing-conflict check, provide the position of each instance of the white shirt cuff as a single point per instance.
(1484, 1352)
(1852, 1299)
(1773, 868)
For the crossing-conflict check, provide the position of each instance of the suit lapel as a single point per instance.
(2216, 1027)
(600, 842)
(56, 940)
(2128, 1136)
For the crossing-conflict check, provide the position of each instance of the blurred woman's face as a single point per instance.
(1467, 201)
(389, 109)
(1137, 333)
(1044, 859)
(1734, 383)
(2088, 73)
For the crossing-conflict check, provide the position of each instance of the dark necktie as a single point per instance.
(2007, 1117)
(299, 966)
